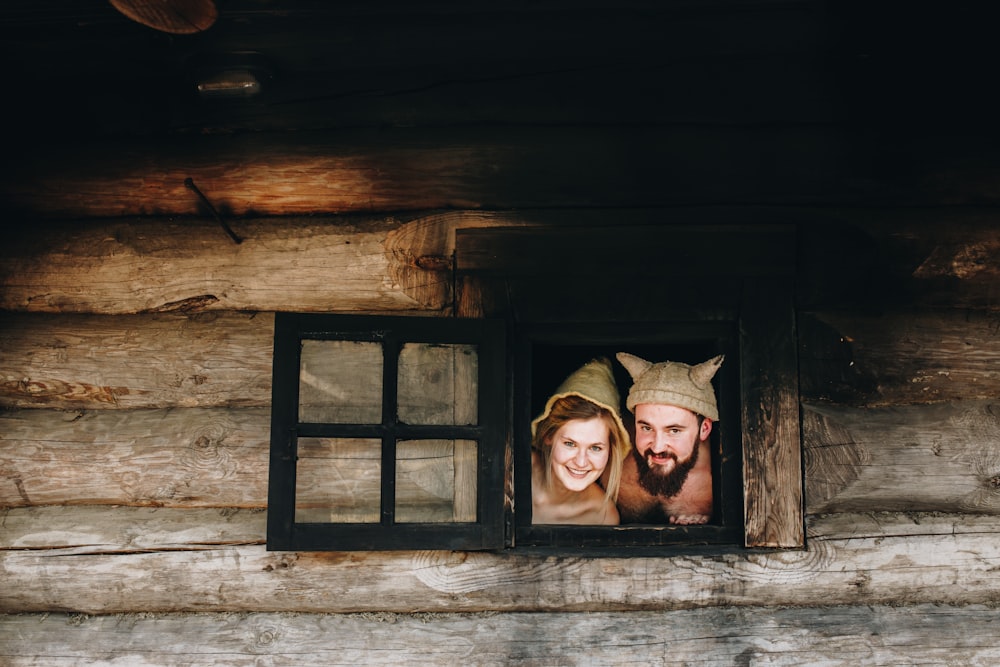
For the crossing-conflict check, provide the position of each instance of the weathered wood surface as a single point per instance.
(855, 459)
(380, 170)
(192, 457)
(120, 561)
(97, 362)
(769, 419)
(155, 265)
(77, 361)
(955, 636)
(412, 169)
(933, 457)
(899, 357)
(869, 258)
(404, 263)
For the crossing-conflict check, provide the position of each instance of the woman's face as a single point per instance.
(580, 452)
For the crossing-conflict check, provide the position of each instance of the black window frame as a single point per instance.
(285, 534)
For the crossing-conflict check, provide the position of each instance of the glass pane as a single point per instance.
(338, 480)
(340, 382)
(436, 481)
(438, 384)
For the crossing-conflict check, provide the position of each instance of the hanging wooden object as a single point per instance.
(181, 17)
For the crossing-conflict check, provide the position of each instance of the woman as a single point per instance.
(578, 435)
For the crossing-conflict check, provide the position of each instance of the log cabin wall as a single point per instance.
(136, 333)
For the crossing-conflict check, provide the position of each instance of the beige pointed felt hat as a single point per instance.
(672, 383)
(594, 381)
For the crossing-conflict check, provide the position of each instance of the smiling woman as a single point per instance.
(577, 437)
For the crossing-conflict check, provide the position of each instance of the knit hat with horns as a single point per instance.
(594, 381)
(672, 383)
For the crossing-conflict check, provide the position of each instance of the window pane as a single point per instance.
(436, 481)
(340, 382)
(338, 480)
(438, 384)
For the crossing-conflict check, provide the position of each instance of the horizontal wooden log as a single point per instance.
(155, 265)
(185, 560)
(934, 457)
(899, 357)
(837, 637)
(171, 360)
(856, 459)
(193, 457)
(411, 169)
(121, 529)
(847, 258)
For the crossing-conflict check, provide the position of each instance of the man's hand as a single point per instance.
(689, 519)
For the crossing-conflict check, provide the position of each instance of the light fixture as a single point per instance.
(229, 83)
(235, 75)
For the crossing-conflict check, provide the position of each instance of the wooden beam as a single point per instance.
(192, 457)
(898, 357)
(149, 361)
(772, 458)
(365, 171)
(120, 561)
(152, 265)
(941, 457)
(846, 258)
(865, 634)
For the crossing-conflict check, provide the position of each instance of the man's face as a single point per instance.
(666, 446)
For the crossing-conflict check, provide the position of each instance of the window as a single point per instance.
(386, 433)
(413, 433)
(546, 354)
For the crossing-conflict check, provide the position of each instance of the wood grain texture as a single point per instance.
(855, 459)
(149, 265)
(838, 637)
(156, 360)
(943, 457)
(405, 169)
(404, 262)
(193, 457)
(107, 560)
(899, 356)
(772, 477)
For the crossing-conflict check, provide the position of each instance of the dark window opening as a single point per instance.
(546, 354)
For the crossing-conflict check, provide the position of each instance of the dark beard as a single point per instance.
(658, 484)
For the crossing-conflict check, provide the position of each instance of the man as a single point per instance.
(668, 475)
